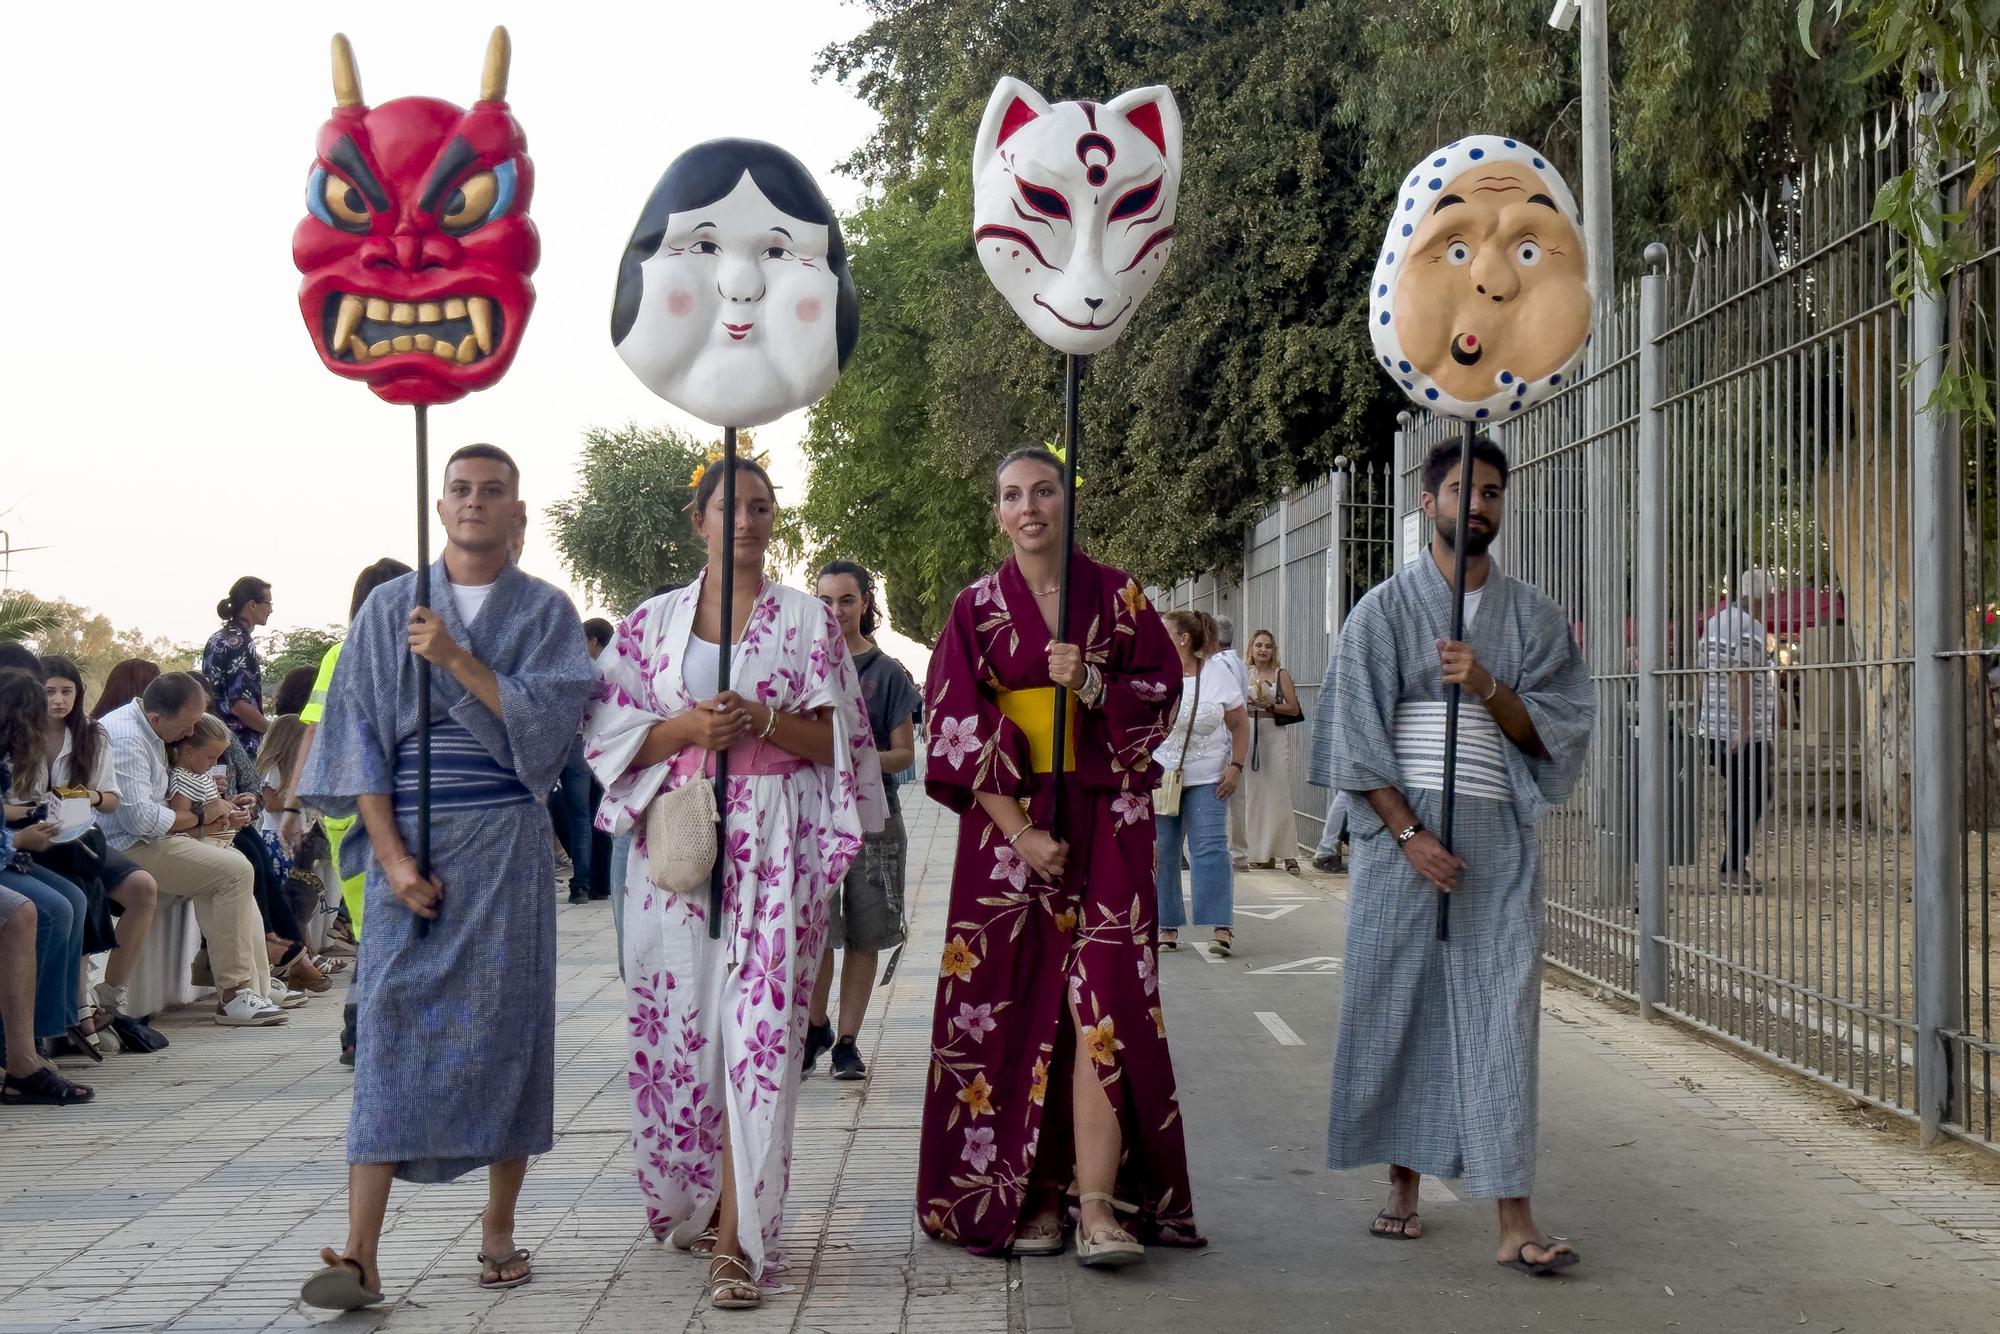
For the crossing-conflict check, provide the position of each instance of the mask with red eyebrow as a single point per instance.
(416, 246)
(1073, 207)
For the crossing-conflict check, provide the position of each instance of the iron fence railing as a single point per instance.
(1781, 557)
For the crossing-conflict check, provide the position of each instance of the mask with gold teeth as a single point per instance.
(416, 246)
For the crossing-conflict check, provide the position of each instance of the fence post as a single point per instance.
(1937, 732)
(1650, 576)
(1336, 550)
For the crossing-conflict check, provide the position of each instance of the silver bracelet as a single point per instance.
(1487, 698)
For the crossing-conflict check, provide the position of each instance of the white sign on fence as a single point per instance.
(1413, 537)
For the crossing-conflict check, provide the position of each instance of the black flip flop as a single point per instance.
(1402, 1233)
(1555, 1264)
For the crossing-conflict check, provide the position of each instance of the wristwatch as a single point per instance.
(1403, 836)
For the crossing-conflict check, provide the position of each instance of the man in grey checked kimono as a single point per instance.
(455, 1061)
(1436, 1060)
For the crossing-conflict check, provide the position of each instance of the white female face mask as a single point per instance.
(1073, 207)
(741, 311)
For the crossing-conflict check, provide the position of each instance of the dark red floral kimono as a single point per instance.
(1018, 952)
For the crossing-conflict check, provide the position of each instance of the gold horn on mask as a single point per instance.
(493, 80)
(346, 78)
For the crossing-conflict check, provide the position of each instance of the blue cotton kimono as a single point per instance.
(1436, 1060)
(455, 1057)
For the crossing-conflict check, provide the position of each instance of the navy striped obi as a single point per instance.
(464, 775)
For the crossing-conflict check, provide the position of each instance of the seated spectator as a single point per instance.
(218, 881)
(230, 663)
(80, 767)
(28, 1079)
(124, 684)
(210, 766)
(57, 905)
(293, 693)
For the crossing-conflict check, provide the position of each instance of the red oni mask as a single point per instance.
(416, 247)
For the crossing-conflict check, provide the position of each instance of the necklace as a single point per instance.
(1046, 592)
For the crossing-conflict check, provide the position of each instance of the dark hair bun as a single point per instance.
(223, 611)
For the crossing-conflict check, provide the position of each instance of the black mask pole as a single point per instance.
(715, 873)
(1072, 446)
(423, 664)
(1459, 539)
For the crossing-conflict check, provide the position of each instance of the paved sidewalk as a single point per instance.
(1707, 1191)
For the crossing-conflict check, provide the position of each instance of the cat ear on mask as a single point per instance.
(1012, 105)
(1153, 113)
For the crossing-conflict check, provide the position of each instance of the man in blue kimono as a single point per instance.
(1436, 1060)
(455, 1066)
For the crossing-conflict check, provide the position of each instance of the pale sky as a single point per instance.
(167, 424)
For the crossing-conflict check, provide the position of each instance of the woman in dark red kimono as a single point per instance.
(1049, 1069)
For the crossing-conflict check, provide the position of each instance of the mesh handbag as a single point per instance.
(680, 836)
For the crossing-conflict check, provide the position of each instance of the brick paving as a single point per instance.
(194, 1193)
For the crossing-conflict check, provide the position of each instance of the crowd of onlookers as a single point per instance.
(184, 785)
(169, 784)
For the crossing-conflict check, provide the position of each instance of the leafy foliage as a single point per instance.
(24, 616)
(624, 530)
(284, 650)
(1249, 368)
(90, 640)
(1944, 58)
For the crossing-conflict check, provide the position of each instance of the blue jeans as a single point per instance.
(59, 914)
(571, 811)
(1205, 819)
(621, 858)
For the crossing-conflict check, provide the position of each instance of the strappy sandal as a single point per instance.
(496, 1266)
(1107, 1247)
(1555, 1264)
(703, 1243)
(1225, 940)
(724, 1292)
(341, 1285)
(44, 1088)
(1170, 940)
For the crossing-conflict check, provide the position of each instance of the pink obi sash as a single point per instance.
(747, 759)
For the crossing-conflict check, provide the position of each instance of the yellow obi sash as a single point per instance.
(1034, 712)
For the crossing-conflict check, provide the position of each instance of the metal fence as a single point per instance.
(1306, 562)
(1782, 561)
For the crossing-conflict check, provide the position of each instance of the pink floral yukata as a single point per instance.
(717, 1025)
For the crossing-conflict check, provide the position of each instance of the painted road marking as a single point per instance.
(1323, 963)
(1205, 948)
(1280, 1030)
(1431, 1190)
(1269, 912)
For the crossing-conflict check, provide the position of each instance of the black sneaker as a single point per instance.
(847, 1060)
(819, 1037)
(347, 1055)
(1331, 864)
(579, 896)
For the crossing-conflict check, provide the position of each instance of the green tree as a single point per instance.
(624, 530)
(24, 616)
(1249, 368)
(90, 640)
(285, 650)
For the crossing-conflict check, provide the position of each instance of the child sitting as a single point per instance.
(191, 786)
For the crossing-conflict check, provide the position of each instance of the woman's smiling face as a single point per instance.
(737, 324)
(1494, 281)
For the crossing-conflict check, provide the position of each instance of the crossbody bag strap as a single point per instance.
(1187, 734)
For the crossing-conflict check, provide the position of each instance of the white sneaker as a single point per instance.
(246, 1009)
(284, 997)
(110, 999)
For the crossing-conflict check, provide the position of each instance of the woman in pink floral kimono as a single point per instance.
(717, 1025)
(1049, 1068)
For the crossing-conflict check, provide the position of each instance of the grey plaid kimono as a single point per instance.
(1436, 1059)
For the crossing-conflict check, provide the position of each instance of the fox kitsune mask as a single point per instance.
(1073, 207)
